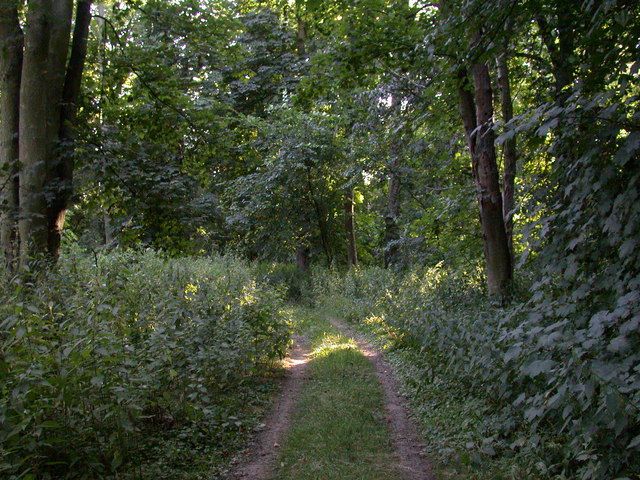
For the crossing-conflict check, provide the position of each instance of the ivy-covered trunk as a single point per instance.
(350, 228)
(391, 230)
(509, 152)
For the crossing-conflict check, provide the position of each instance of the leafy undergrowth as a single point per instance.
(528, 391)
(202, 451)
(453, 421)
(133, 365)
(338, 431)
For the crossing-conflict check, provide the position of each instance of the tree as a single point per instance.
(11, 45)
(509, 150)
(476, 110)
(350, 227)
(47, 88)
(391, 230)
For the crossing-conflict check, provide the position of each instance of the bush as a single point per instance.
(561, 392)
(102, 348)
(286, 277)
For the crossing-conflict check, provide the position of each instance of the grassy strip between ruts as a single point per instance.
(338, 431)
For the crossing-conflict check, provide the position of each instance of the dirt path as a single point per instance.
(406, 440)
(259, 458)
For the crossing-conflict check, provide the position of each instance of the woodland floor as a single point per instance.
(338, 416)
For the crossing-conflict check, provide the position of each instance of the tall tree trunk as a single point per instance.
(11, 45)
(350, 228)
(391, 231)
(301, 36)
(33, 132)
(477, 117)
(58, 53)
(485, 169)
(45, 58)
(321, 218)
(302, 257)
(560, 47)
(509, 151)
(60, 181)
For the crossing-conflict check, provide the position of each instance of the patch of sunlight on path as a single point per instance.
(339, 429)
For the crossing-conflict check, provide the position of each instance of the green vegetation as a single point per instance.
(499, 396)
(129, 361)
(339, 430)
(459, 178)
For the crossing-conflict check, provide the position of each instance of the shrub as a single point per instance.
(287, 277)
(558, 388)
(103, 347)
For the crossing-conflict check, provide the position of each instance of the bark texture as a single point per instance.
(485, 169)
(391, 231)
(350, 228)
(49, 90)
(58, 51)
(477, 116)
(509, 151)
(60, 172)
(11, 45)
(34, 131)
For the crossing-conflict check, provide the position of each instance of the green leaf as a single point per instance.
(537, 367)
(50, 424)
(634, 443)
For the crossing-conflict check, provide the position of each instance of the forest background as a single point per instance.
(463, 173)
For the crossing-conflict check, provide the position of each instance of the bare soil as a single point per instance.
(258, 460)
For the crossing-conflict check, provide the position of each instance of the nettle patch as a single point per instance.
(561, 388)
(104, 351)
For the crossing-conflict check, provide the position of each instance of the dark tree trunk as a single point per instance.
(509, 151)
(559, 47)
(485, 169)
(350, 228)
(49, 90)
(60, 181)
(477, 117)
(11, 45)
(302, 258)
(467, 107)
(33, 132)
(321, 218)
(301, 36)
(391, 230)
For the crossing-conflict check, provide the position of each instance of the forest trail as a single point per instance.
(262, 452)
(407, 442)
(338, 416)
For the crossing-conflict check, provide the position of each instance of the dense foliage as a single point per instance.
(107, 350)
(472, 148)
(562, 395)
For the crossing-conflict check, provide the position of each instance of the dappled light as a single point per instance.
(332, 343)
(319, 239)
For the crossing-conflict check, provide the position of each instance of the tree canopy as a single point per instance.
(498, 139)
